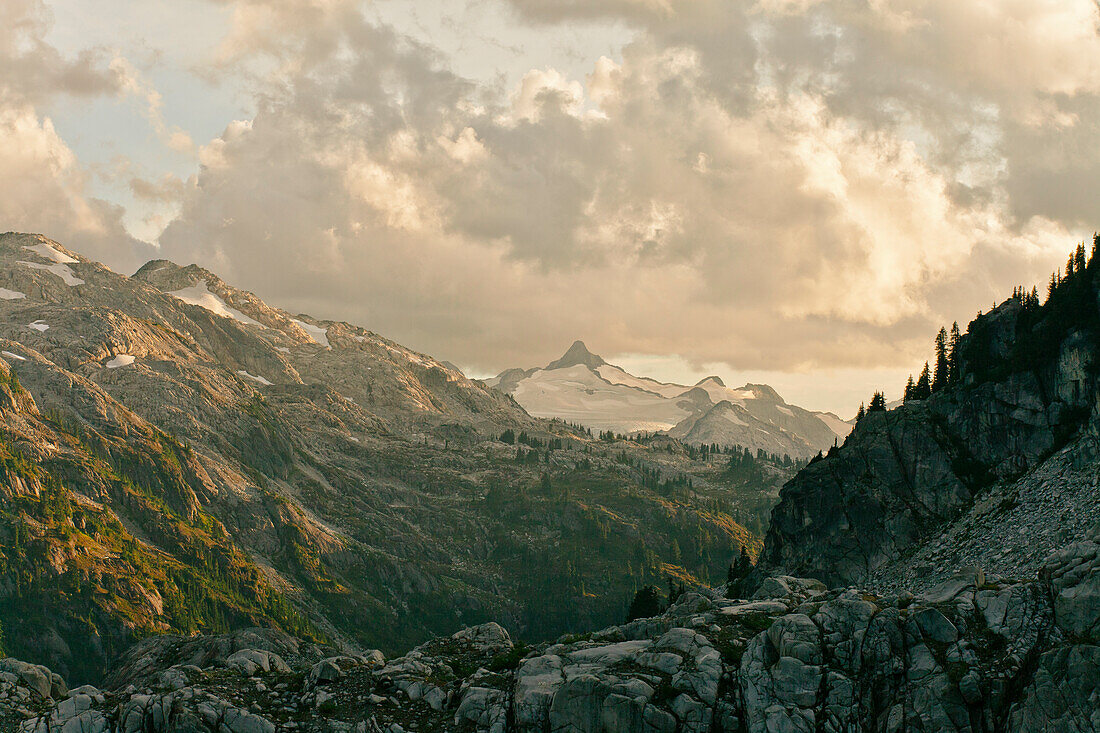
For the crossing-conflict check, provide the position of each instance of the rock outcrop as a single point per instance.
(973, 654)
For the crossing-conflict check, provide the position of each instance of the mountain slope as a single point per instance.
(582, 388)
(261, 467)
(995, 471)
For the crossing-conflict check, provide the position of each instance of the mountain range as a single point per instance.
(582, 388)
(179, 456)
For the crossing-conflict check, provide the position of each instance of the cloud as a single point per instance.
(774, 185)
(43, 190)
(777, 185)
(131, 81)
(43, 187)
(32, 70)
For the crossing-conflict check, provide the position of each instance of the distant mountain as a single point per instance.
(583, 388)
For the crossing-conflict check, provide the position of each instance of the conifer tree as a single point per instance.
(646, 604)
(939, 376)
(862, 412)
(909, 387)
(923, 387)
(953, 352)
(878, 403)
(740, 568)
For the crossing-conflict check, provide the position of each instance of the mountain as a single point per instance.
(582, 388)
(178, 456)
(997, 470)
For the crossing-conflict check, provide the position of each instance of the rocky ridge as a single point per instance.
(977, 653)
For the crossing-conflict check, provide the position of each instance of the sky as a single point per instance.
(796, 192)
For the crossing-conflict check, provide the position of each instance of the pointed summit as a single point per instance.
(578, 353)
(712, 379)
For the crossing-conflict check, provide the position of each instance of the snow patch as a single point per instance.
(283, 349)
(318, 334)
(120, 361)
(200, 295)
(39, 326)
(13, 356)
(62, 271)
(615, 375)
(11, 294)
(253, 377)
(784, 410)
(44, 250)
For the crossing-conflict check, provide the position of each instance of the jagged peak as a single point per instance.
(577, 354)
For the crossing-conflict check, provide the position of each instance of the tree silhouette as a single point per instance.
(939, 376)
(878, 403)
(923, 388)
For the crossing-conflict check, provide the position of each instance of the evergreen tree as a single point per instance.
(953, 352)
(740, 568)
(923, 387)
(646, 604)
(909, 388)
(861, 413)
(939, 376)
(878, 403)
(674, 591)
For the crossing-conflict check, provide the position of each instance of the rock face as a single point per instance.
(994, 472)
(973, 654)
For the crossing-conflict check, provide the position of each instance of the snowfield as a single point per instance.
(47, 252)
(120, 361)
(200, 295)
(318, 334)
(11, 294)
(62, 271)
(582, 388)
(577, 394)
(254, 378)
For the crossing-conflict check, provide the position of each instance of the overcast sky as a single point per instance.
(798, 192)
